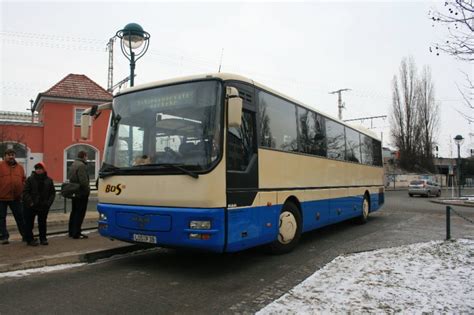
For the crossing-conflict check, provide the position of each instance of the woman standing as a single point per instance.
(38, 196)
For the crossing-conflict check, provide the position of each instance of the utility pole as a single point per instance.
(340, 104)
(110, 77)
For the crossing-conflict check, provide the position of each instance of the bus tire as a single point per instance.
(289, 230)
(362, 219)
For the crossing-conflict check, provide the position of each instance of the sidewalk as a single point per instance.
(61, 249)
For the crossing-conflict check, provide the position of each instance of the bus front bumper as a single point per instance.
(200, 228)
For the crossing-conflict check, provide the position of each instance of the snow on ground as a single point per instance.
(427, 277)
(46, 269)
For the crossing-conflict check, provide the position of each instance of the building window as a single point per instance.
(20, 152)
(77, 115)
(71, 155)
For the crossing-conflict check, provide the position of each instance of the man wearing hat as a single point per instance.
(12, 180)
(38, 196)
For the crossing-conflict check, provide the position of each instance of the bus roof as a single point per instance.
(236, 77)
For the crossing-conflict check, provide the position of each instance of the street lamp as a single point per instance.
(459, 140)
(134, 42)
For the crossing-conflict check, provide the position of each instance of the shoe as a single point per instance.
(32, 243)
(5, 242)
(80, 236)
(44, 242)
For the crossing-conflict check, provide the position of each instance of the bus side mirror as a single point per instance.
(234, 108)
(85, 123)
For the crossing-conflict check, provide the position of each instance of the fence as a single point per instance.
(61, 203)
(448, 220)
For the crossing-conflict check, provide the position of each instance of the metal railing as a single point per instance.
(63, 202)
(448, 220)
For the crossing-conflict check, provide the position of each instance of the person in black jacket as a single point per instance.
(38, 196)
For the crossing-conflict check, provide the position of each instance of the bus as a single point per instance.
(221, 163)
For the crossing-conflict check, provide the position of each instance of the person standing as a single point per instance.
(12, 181)
(78, 174)
(38, 196)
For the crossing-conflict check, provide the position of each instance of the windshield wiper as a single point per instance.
(175, 166)
(108, 170)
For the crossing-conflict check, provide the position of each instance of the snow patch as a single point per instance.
(27, 272)
(427, 277)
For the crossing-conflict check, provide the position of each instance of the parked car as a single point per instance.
(423, 187)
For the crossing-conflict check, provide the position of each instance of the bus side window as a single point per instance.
(241, 143)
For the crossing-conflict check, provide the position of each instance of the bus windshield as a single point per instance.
(171, 127)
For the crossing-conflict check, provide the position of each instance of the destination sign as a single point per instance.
(160, 101)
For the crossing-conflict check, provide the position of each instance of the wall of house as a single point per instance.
(60, 133)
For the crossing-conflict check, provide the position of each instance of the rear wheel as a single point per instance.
(289, 230)
(411, 195)
(365, 211)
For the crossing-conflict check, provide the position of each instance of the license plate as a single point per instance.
(144, 238)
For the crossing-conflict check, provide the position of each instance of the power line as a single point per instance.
(361, 119)
(96, 45)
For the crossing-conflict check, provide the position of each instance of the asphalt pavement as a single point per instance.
(62, 249)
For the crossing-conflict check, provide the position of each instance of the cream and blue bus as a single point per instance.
(222, 163)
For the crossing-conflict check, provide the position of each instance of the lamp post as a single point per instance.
(134, 42)
(459, 140)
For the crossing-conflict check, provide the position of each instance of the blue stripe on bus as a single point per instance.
(170, 226)
(250, 227)
(246, 227)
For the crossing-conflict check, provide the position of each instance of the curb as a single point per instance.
(60, 259)
(52, 224)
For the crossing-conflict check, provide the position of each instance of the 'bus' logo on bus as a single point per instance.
(117, 189)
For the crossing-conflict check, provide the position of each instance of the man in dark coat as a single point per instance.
(38, 196)
(78, 174)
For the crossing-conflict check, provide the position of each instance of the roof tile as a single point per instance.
(78, 86)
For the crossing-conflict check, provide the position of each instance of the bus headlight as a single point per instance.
(103, 217)
(200, 225)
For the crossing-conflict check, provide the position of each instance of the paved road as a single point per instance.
(170, 281)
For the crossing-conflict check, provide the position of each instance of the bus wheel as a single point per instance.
(365, 211)
(289, 230)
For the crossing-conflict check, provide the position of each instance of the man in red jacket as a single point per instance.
(12, 181)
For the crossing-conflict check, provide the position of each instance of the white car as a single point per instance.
(423, 187)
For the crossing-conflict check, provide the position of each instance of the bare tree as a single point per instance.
(404, 111)
(415, 116)
(467, 93)
(458, 18)
(428, 111)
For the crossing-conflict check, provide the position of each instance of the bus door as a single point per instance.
(243, 222)
(242, 159)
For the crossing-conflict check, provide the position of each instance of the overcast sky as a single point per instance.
(302, 49)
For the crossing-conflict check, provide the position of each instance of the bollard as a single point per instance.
(65, 204)
(448, 223)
